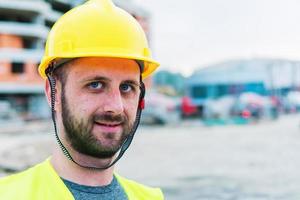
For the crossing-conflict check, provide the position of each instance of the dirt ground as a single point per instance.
(189, 160)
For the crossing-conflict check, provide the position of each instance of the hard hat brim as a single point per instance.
(150, 65)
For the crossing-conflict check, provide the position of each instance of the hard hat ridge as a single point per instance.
(106, 4)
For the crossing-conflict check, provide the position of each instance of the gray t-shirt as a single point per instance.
(113, 191)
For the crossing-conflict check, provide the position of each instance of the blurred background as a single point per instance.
(222, 112)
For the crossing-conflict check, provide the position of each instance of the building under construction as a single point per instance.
(24, 26)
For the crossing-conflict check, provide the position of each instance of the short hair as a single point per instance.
(60, 73)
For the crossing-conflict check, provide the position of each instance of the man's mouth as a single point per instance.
(109, 126)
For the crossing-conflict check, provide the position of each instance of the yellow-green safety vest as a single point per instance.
(41, 182)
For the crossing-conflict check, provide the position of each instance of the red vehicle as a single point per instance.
(187, 107)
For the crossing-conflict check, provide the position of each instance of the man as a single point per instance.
(96, 57)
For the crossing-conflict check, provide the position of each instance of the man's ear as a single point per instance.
(48, 93)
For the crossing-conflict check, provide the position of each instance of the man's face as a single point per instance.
(99, 103)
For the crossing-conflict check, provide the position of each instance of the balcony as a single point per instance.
(21, 55)
(17, 88)
(25, 6)
(24, 29)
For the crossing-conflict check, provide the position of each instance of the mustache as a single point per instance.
(110, 118)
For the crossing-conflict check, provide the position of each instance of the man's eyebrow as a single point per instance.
(96, 78)
(132, 82)
(105, 79)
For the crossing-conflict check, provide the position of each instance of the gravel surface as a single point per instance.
(190, 161)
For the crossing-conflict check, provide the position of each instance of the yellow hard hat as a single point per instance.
(98, 29)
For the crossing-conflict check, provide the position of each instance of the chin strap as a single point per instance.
(126, 143)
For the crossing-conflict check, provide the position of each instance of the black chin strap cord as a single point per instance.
(123, 147)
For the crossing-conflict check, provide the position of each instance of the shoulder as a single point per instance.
(136, 190)
(11, 185)
(37, 182)
(26, 175)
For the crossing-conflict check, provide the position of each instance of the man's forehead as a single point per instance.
(104, 61)
(94, 66)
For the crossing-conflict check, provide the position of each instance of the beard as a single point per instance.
(81, 138)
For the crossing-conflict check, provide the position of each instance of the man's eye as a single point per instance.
(95, 85)
(125, 88)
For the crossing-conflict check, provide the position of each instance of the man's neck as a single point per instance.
(80, 175)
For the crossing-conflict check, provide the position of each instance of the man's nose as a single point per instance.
(113, 102)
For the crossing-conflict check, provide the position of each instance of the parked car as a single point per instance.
(219, 108)
(293, 99)
(187, 108)
(160, 109)
(8, 115)
(251, 105)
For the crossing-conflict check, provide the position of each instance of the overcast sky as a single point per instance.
(188, 34)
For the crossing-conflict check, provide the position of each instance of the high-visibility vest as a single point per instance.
(41, 182)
